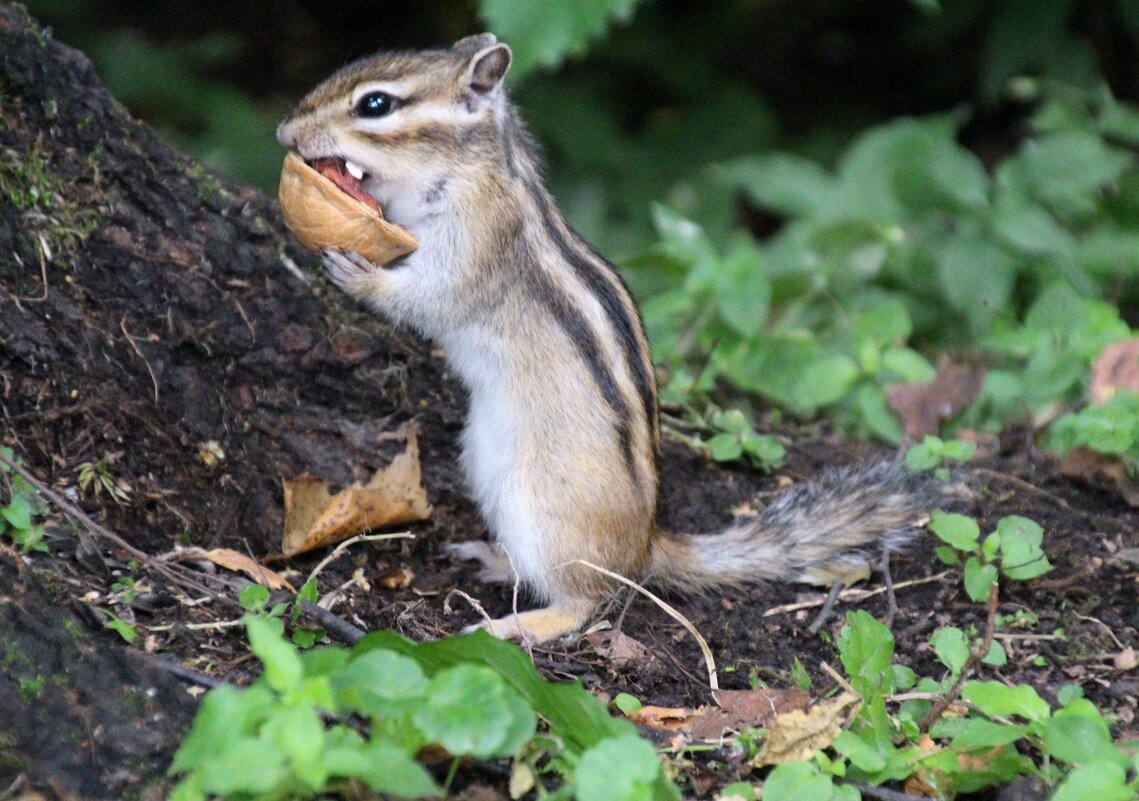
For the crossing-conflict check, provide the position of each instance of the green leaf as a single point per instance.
(979, 578)
(951, 647)
(283, 669)
(576, 717)
(627, 703)
(994, 698)
(253, 597)
(824, 381)
(725, 447)
(379, 683)
(908, 365)
(947, 554)
(18, 513)
(468, 711)
(784, 183)
(797, 781)
(1102, 781)
(1021, 556)
(543, 32)
(866, 648)
(245, 766)
(864, 755)
(1081, 739)
(925, 455)
(980, 733)
(298, 734)
(976, 277)
(957, 530)
(384, 768)
(620, 769)
(996, 655)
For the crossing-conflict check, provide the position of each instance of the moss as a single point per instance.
(37, 193)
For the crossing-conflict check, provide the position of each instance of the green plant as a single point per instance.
(20, 519)
(123, 628)
(1111, 429)
(933, 452)
(1013, 549)
(98, 477)
(473, 696)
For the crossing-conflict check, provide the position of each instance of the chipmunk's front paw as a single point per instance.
(349, 270)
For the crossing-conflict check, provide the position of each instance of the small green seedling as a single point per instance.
(932, 453)
(1013, 549)
(738, 440)
(21, 518)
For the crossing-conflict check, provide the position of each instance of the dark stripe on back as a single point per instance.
(610, 300)
(581, 335)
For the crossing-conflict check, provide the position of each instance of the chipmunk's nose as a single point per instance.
(287, 135)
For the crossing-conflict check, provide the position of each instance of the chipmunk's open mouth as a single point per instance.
(348, 177)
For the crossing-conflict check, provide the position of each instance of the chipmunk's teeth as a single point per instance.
(354, 170)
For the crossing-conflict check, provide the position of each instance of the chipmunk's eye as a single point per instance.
(375, 104)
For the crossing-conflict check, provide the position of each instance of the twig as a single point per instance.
(139, 353)
(339, 549)
(167, 571)
(853, 595)
(1024, 485)
(332, 622)
(975, 655)
(709, 660)
(186, 674)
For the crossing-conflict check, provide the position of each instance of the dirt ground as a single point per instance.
(149, 308)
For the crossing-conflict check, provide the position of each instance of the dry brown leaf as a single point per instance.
(740, 709)
(800, 735)
(1102, 471)
(240, 563)
(664, 718)
(315, 518)
(617, 648)
(1116, 368)
(1125, 659)
(923, 405)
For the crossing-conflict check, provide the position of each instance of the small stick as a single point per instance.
(332, 622)
(853, 595)
(186, 674)
(709, 660)
(339, 549)
(975, 655)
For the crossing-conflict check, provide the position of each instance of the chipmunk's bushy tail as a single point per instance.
(816, 532)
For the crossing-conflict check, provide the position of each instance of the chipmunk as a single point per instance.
(561, 446)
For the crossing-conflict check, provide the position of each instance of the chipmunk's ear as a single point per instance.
(488, 67)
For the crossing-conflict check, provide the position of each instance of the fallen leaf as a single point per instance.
(741, 709)
(921, 406)
(800, 735)
(616, 647)
(663, 718)
(1116, 368)
(315, 518)
(1125, 659)
(239, 562)
(1102, 471)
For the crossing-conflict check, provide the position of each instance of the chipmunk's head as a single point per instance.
(404, 124)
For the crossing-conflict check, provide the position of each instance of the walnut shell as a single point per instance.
(320, 215)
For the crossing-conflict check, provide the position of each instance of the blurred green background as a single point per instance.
(811, 198)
